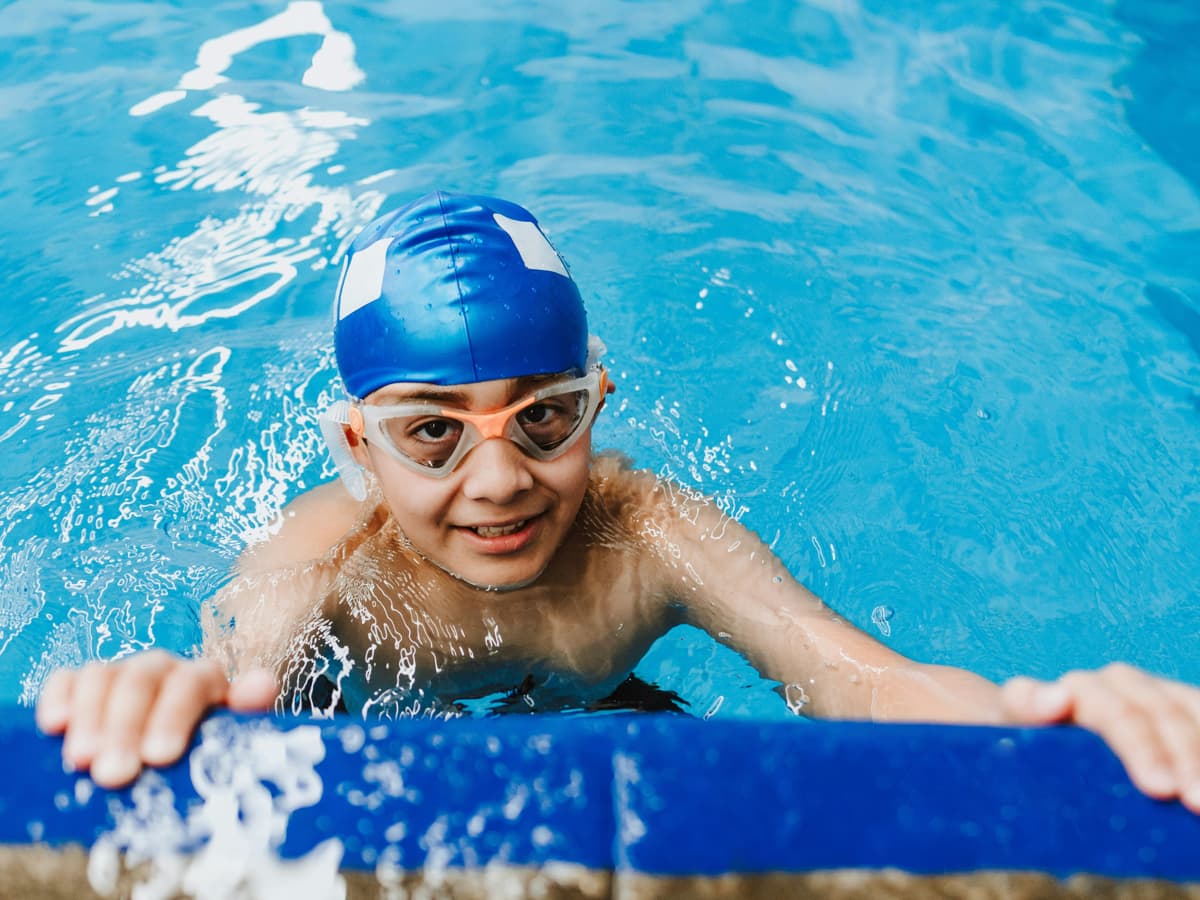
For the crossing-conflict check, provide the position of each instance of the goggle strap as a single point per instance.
(595, 352)
(332, 422)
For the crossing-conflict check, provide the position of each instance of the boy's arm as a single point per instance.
(142, 710)
(729, 583)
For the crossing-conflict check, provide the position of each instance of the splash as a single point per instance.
(249, 778)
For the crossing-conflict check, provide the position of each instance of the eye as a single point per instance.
(426, 439)
(433, 430)
(538, 413)
(551, 421)
(552, 413)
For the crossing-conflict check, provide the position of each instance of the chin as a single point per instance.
(506, 586)
(497, 582)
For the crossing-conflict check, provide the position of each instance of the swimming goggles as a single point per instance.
(433, 439)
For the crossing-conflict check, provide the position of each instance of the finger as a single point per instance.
(130, 698)
(54, 702)
(1026, 701)
(253, 691)
(1114, 706)
(87, 708)
(184, 697)
(1184, 742)
(1171, 724)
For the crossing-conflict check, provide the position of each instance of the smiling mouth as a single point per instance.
(493, 531)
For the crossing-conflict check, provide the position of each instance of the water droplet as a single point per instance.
(796, 698)
(716, 705)
(881, 618)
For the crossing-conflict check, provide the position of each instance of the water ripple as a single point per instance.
(900, 283)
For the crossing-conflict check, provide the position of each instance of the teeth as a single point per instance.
(490, 531)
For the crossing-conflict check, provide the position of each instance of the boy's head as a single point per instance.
(457, 322)
(454, 289)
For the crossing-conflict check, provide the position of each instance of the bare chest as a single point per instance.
(411, 640)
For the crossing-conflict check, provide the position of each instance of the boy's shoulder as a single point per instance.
(310, 528)
(642, 498)
(618, 485)
(619, 496)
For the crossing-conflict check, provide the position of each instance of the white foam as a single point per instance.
(225, 848)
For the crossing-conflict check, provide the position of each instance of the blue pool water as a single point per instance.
(915, 286)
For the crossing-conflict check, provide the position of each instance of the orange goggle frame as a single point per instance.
(433, 439)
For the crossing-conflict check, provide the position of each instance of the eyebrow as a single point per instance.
(437, 394)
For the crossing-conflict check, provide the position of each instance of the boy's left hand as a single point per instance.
(1152, 724)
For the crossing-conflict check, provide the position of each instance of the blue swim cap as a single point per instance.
(452, 289)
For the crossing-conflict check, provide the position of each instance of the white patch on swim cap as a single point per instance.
(535, 250)
(363, 281)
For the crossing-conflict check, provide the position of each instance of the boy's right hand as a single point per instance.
(142, 710)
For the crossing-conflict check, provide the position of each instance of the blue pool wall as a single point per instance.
(675, 796)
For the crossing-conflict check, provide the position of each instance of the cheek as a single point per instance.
(415, 502)
(570, 480)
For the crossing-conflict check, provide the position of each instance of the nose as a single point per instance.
(496, 471)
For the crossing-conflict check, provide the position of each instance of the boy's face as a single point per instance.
(497, 519)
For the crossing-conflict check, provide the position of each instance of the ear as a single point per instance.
(355, 440)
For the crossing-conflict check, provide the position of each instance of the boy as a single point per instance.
(479, 548)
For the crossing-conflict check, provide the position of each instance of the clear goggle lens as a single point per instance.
(434, 439)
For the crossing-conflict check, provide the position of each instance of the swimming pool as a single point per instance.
(911, 287)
